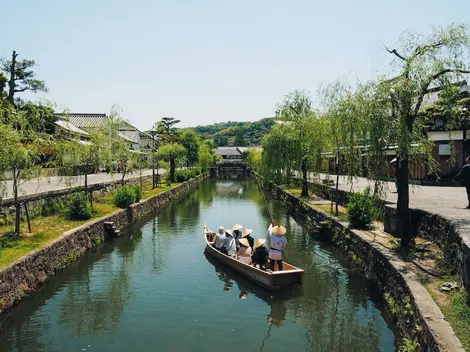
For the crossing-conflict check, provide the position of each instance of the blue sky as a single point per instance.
(206, 61)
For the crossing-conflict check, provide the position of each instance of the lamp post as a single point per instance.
(153, 133)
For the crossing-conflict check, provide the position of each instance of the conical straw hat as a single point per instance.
(229, 232)
(244, 242)
(260, 242)
(279, 230)
(237, 227)
(247, 232)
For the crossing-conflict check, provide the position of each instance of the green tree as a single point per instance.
(172, 152)
(119, 146)
(83, 157)
(21, 77)
(20, 156)
(191, 142)
(206, 155)
(220, 140)
(167, 131)
(306, 131)
(422, 63)
(240, 140)
(3, 84)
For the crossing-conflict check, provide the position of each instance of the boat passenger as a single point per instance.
(277, 243)
(237, 234)
(261, 254)
(229, 247)
(219, 238)
(247, 234)
(245, 252)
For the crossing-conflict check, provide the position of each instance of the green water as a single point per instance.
(154, 289)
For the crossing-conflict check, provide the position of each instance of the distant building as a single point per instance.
(229, 153)
(83, 122)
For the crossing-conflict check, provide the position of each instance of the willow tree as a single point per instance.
(346, 130)
(277, 158)
(174, 153)
(20, 156)
(305, 130)
(421, 64)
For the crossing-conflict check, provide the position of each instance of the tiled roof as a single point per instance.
(131, 135)
(70, 127)
(227, 151)
(85, 120)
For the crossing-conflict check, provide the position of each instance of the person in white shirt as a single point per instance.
(277, 243)
(229, 247)
(219, 238)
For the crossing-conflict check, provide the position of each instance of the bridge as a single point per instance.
(229, 168)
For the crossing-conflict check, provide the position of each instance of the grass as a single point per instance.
(47, 229)
(454, 307)
(342, 212)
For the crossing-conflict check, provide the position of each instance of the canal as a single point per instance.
(154, 289)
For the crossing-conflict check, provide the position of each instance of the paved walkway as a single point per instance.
(448, 202)
(55, 183)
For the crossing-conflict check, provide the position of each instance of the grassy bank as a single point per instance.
(46, 229)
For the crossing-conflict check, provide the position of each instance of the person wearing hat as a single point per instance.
(237, 234)
(261, 254)
(229, 247)
(277, 243)
(247, 234)
(219, 238)
(245, 252)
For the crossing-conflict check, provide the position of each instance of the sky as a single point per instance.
(206, 61)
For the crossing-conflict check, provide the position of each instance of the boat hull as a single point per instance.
(269, 280)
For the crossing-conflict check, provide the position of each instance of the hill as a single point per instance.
(236, 133)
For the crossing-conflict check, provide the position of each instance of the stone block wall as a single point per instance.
(416, 314)
(27, 274)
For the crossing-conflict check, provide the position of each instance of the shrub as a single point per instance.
(124, 196)
(167, 179)
(362, 208)
(49, 207)
(185, 175)
(79, 208)
(138, 193)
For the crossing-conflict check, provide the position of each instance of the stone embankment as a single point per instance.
(27, 274)
(416, 314)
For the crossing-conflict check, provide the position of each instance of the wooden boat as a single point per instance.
(268, 279)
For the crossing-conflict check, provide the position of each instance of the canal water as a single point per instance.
(154, 289)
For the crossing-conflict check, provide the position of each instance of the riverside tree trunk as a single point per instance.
(304, 178)
(172, 169)
(17, 203)
(403, 202)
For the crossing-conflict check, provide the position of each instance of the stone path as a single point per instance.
(55, 183)
(448, 202)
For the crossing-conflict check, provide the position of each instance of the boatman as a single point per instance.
(219, 238)
(277, 243)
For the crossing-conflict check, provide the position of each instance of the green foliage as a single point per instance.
(9, 240)
(222, 132)
(79, 208)
(124, 197)
(191, 142)
(49, 207)
(186, 174)
(173, 153)
(240, 140)
(138, 193)
(409, 345)
(206, 155)
(362, 208)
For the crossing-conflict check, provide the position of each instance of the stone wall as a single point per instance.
(28, 273)
(60, 197)
(416, 314)
(433, 227)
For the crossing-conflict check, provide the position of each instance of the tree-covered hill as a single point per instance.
(237, 133)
